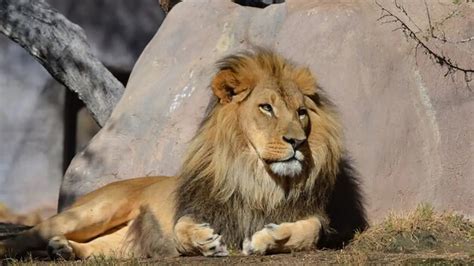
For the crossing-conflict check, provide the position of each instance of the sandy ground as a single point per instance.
(298, 258)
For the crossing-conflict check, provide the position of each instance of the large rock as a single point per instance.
(408, 127)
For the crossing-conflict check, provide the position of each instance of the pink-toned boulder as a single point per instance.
(408, 127)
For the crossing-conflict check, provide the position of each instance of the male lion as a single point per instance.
(264, 174)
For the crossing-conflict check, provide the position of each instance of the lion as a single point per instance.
(265, 173)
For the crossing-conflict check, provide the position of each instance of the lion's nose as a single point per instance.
(294, 142)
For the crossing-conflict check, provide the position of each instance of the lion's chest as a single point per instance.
(236, 222)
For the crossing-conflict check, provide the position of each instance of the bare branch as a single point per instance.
(466, 40)
(429, 20)
(443, 35)
(61, 47)
(438, 57)
(449, 16)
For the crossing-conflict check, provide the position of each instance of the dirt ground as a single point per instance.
(419, 237)
(329, 257)
(297, 258)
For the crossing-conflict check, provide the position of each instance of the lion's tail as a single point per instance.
(8, 230)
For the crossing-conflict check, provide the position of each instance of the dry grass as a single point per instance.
(418, 231)
(422, 236)
(419, 237)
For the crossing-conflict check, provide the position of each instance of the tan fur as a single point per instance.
(227, 181)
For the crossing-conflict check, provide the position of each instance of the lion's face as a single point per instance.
(275, 120)
(273, 106)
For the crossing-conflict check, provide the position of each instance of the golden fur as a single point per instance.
(257, 177)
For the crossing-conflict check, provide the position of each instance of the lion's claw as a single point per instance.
(213, 248)
(247, 248)
(209, 240)
(265, 240)
(271, 226)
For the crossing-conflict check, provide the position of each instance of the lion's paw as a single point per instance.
(263, 241)
(208, 243)
(213, 247)
(59, 248)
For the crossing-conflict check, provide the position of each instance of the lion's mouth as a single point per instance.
(297, 155)
(289, 167)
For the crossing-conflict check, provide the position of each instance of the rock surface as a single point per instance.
(408, 127)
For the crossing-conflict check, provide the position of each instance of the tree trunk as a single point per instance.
(61, 47)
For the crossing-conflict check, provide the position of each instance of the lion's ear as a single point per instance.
(227, 87)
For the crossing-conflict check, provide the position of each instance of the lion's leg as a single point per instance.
(285, 237)
(198, 239)
(79, 223)
(109, 245)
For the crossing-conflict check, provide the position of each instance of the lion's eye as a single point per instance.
(302, 113)
(266, 108)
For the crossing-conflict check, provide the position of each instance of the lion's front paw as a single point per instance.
(207, 242)
(199, 239)
(269, 238)
(59, 248)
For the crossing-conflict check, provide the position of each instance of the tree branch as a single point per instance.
(438, 57)
(61, 47)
